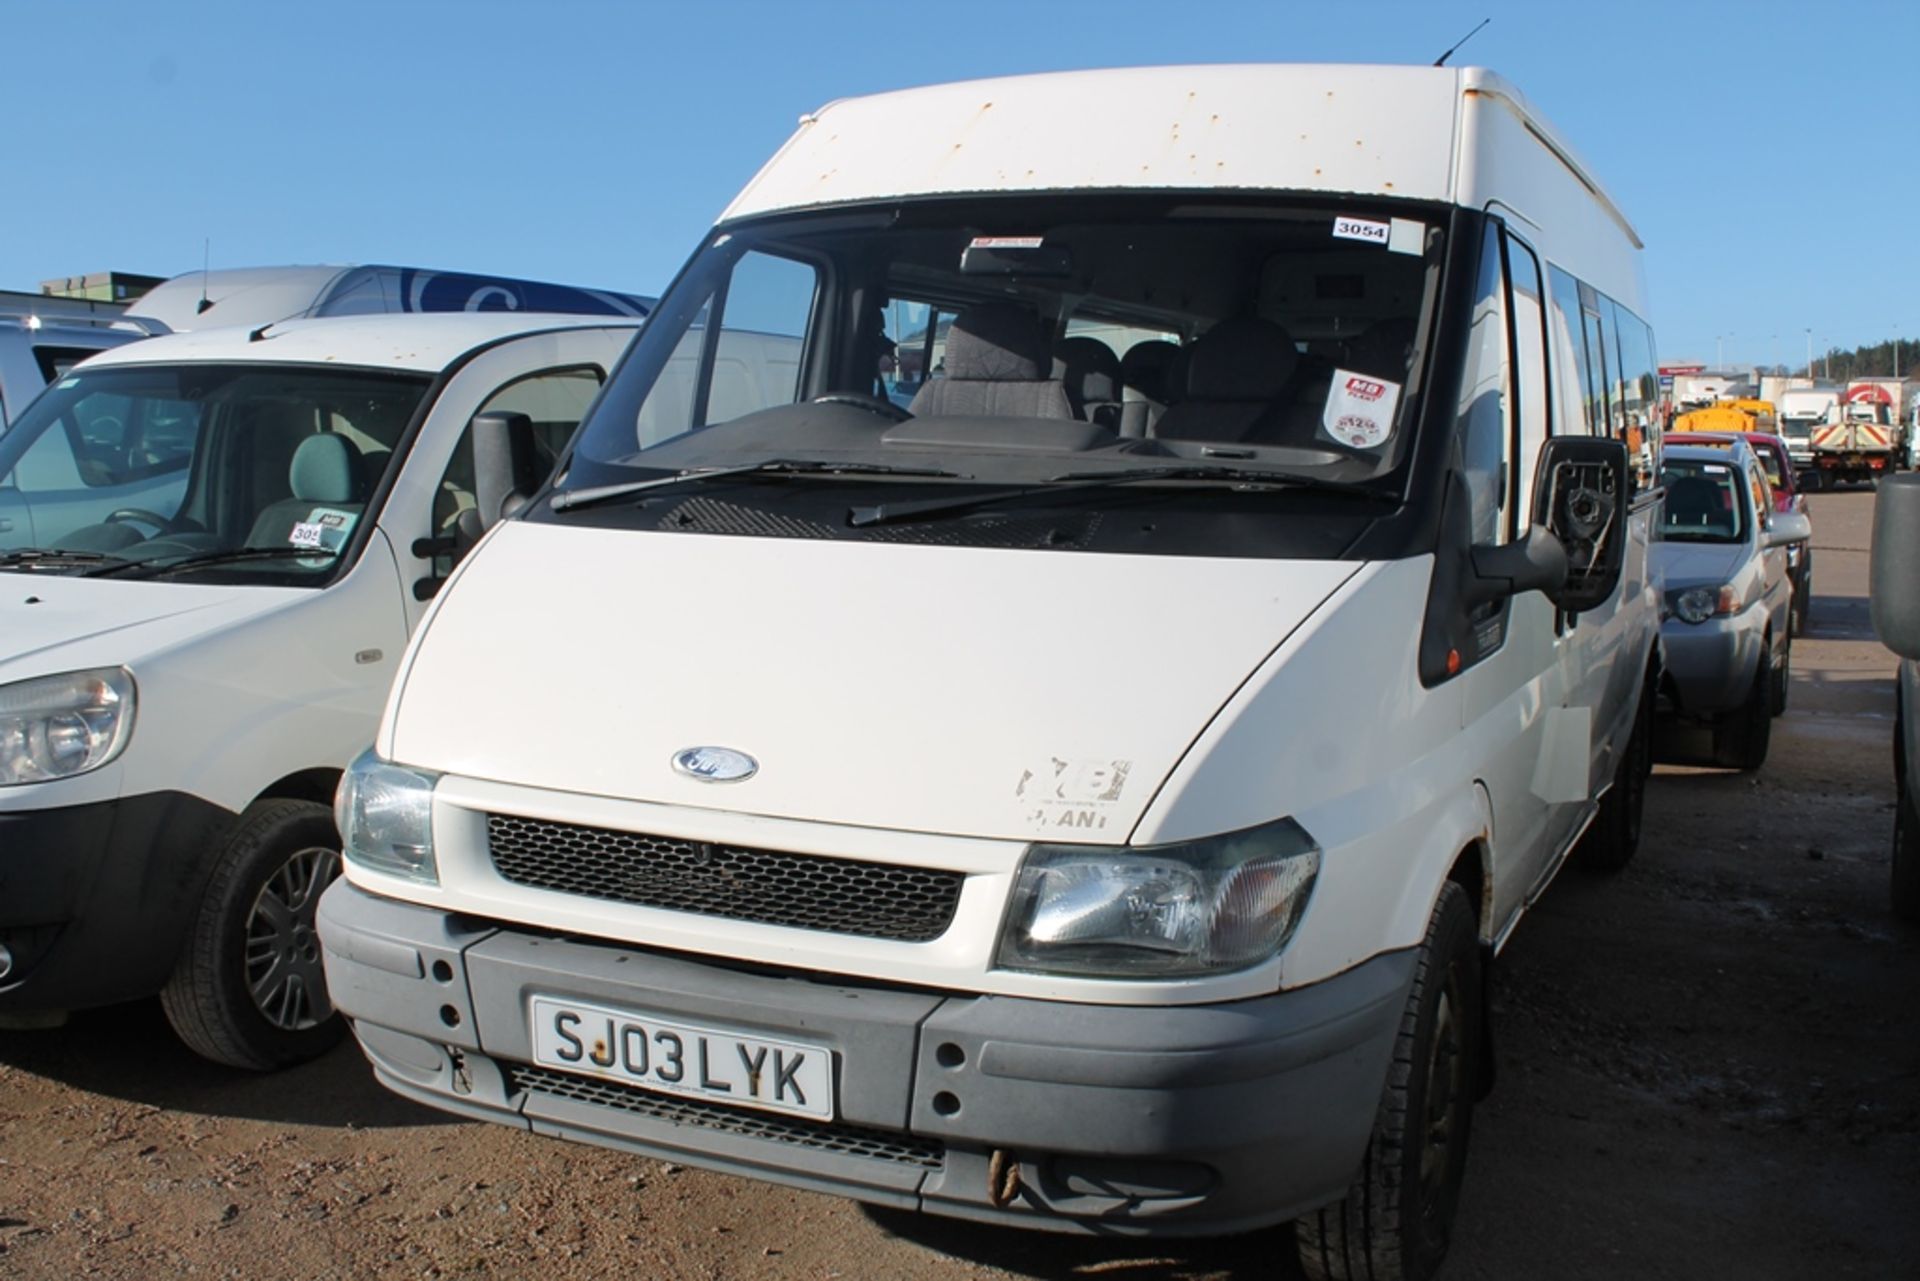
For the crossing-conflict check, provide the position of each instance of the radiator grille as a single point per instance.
(848, 1140)
(771, 887)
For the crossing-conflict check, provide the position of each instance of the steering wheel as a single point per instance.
(867, 401)
(142, 515)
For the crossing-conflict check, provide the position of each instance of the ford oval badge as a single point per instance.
(715, 764)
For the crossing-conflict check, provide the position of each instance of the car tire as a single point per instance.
(1905, 882)
(1740, 739)
(1613, 838)
(1802, 609)
(248, 990)
(1396, 1219)
(1780, 680)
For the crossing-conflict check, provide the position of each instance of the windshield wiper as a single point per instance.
(572, 499)
(55, 558)
(888, 513)
(199, 560)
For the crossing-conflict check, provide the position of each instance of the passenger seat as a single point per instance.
(1239, 376)
(1152, 374)
(1092, 375)
(327, 471)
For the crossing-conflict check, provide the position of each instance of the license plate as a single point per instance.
(690, 1059)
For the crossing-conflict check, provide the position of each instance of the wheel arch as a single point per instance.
(317, 785)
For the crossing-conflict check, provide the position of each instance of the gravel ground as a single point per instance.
(1709, 1066)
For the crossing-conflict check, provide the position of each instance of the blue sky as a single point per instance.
(1773, 178)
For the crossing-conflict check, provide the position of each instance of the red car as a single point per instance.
(1789, 501)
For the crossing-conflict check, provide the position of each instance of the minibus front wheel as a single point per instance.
(1395, 1222)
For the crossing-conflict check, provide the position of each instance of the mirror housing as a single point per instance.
(1537, 562)
(1580, 493)
(1789, 527)
(506, 467)
(1895, 574)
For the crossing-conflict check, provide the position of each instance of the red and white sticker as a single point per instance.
(1006, 242)
(1359, 412)
(1362, 229)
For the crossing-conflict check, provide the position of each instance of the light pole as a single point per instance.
(1719, 351)
(1809, 353)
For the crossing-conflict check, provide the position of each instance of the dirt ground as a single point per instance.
(1709, 1066)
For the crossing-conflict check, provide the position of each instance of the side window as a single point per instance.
(764, 309)
(1598, 420)
(555, 399)
(1636, 393)
(914, 341)
(1533, 423)
(1486, 396)
(1762, 498)
(1568, 337)
(107, 439)
(54, 362)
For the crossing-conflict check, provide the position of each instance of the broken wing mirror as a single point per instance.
(1536, 562)
(506, 467)
(1580, 494)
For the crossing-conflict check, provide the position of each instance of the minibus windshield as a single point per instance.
(263, 471)
(1026, 340)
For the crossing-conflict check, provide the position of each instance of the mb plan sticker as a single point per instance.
(1359, 412)
(325, 530)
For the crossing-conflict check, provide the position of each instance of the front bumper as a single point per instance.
(95, 899)
(1169, 1120)
(1710, 665)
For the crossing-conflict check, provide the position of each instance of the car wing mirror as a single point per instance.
(506, 466)
(1580, 493)
(1789, 527)
(1894, 593)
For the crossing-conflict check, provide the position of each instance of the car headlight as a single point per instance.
(1165, 911)
(385, 816)
(54, 727)
(1698, 604)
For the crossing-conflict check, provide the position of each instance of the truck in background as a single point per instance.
(1801, 410)
(1861, 441)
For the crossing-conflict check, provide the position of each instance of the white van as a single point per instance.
(215, 546)
(1011, 809)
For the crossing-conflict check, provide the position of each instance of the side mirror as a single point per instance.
(1895, 576)
(506, 467)
(1537, 562)
(1789, 527)
(1580, 494)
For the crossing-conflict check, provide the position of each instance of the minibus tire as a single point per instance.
(208, 999)
(1740, 740)
(1396, 1219)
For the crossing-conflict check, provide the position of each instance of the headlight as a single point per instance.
(1165, 911)
(59, 726)
(1698, 604)
(385, 816)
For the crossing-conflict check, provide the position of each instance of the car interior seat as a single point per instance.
(327, 471)
(1239, 374)
(1152, 374)
(1091, 373)
(997, 365)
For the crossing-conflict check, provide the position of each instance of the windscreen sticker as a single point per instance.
(324, 529)
(1006, 242)
(1361, 229)
(1408, 236)
(69, 382)
(1359, 412)
(1072, 793)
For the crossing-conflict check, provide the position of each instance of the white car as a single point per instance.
(219, 544)
(1013, 806)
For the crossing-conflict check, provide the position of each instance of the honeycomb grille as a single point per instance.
(770, 887)
(847, 1140)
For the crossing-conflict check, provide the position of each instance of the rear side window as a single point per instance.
(54, 362)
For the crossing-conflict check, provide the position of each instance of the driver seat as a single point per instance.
(327, 471)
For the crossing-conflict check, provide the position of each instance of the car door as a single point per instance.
(551, 377)
(1777, 590)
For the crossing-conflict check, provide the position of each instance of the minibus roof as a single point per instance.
(416, 342)
(1389, 131)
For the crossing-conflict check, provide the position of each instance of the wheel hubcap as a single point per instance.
(283, 953)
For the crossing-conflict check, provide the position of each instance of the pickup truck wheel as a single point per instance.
(1740, 740)
(248, 990)
(1397, 1217)
(1611, 841)
(1906, 858)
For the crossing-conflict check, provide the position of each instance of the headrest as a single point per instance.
(997, 342)
(1383, 349)
(1090, 370)
(1243, 359)
(1153, 368)
(326, 469)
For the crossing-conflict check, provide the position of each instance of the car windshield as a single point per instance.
(260, 471)
(1703, 503)
(1035, 339)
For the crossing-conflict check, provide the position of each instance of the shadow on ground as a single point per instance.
(1045, 1256)
(128, 1052)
